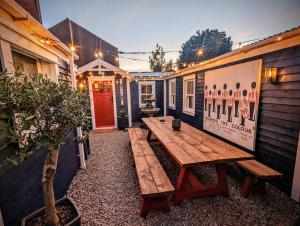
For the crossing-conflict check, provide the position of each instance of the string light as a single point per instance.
(200, 52)
(117, 58)
(72, 48)
(279, 38)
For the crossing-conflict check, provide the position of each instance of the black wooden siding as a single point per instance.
(118, 97)
(159, 93)
(279, 112)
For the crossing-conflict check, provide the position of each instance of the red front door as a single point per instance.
(103, 103)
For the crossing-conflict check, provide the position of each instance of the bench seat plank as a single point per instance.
(152, 177)
(258, 169)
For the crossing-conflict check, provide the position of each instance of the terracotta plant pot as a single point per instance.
(176, 124)
(65, 201)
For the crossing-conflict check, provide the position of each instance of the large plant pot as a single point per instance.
(65, 201)
(122, 123)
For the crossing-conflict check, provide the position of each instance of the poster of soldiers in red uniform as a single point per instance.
(231, 102)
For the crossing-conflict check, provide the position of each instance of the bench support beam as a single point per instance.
(189, 186)
(150, 203)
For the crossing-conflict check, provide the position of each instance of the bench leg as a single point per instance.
(247, 184)
(154, 203)
(149, 136)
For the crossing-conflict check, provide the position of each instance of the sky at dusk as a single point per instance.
(137, 25)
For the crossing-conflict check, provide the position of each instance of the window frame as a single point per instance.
(152, 83)
(172, 105)
(186, 79)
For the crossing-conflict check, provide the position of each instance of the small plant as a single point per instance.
(122, 112)
(40, 113)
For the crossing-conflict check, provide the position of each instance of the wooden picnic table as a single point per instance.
(191, 147)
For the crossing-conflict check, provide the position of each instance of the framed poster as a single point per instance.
(231, 100)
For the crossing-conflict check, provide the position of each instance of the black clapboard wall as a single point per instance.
(279, 112)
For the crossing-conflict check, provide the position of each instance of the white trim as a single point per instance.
(171, 105)
(165, 97)
(6, 56)
(129, 102)
(140, 83)
(100, 78)
(296, 182)
(101, 63)
(189, 111)
(78, 129)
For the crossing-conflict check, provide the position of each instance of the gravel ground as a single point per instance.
(108, 193)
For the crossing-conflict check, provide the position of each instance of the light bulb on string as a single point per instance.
(72, 47)
(200, 52)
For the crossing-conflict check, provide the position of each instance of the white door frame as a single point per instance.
(296, 182)
(92, 79)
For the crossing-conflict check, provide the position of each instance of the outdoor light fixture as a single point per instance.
(271, 73)
(117, 58)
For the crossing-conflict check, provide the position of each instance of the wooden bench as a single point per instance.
(154, 182)
(258, 171)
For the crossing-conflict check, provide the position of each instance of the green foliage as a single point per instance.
(212, 42)
(157, 60)
(169, 66)
(40, 112)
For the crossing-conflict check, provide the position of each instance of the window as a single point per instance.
(146, 90)
(189, 95)
(172, 93)
(24, 63)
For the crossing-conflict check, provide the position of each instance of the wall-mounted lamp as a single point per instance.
(271, 74)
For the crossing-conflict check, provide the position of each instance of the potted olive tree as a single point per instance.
(42, 114)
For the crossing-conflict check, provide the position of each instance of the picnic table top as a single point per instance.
(190, 146)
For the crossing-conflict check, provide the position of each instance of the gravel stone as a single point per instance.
(108, 193)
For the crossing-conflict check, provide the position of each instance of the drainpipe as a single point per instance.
(78, 129)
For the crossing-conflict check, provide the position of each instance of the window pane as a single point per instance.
(149, 89)
(190, 87)
(143, 88)
(172, 87)
(143, 97)
(190, 102)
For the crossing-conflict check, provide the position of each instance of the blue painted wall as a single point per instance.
(197, 120)
(159, 92)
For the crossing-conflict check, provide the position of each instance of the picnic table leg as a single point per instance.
(222, 178)
(247, 184)
(180, 185)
